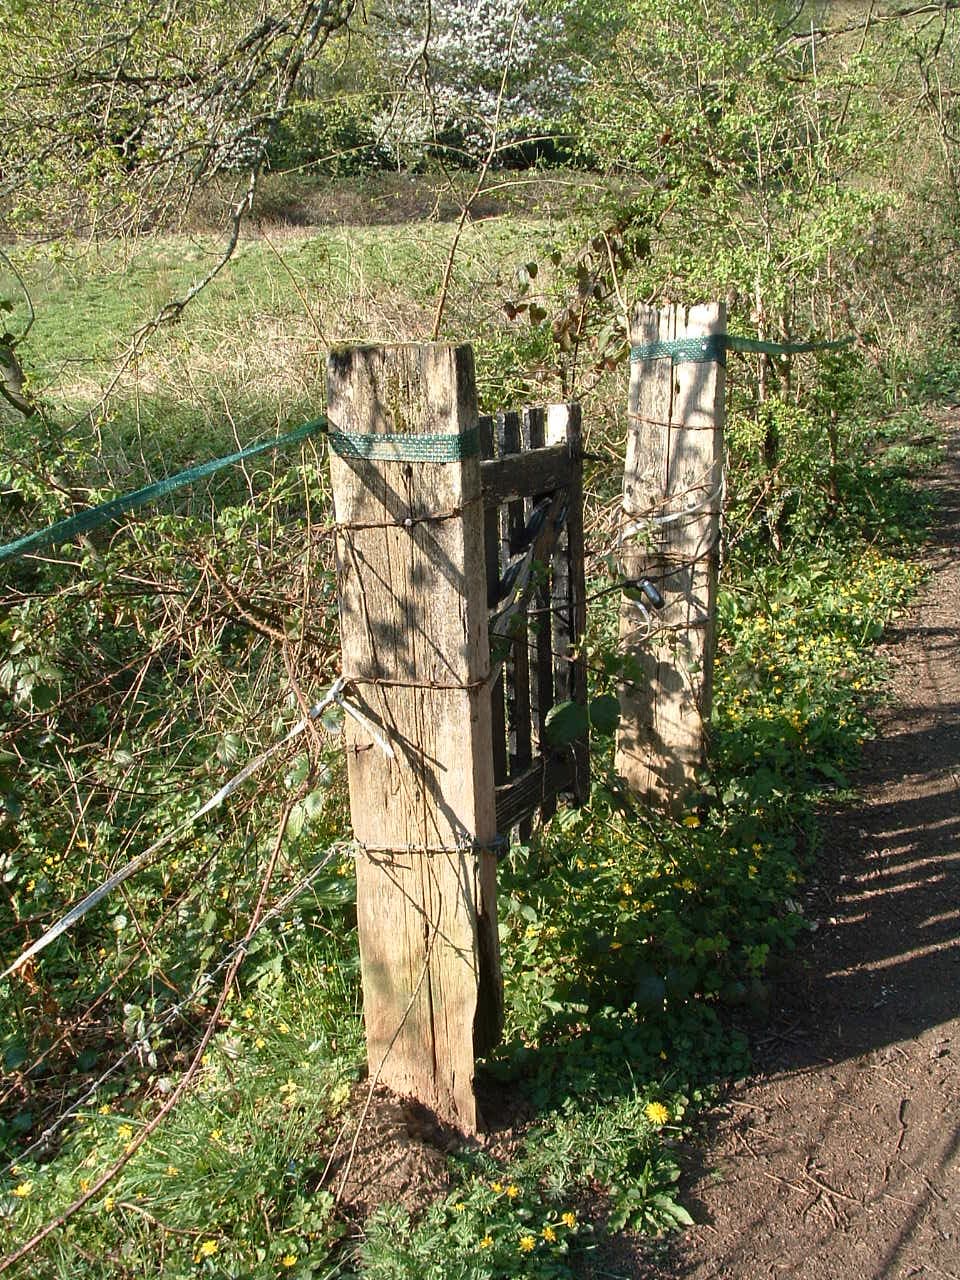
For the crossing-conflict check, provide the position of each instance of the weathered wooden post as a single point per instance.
(672, 500)
(413, 611)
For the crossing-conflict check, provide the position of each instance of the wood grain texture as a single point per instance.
(674, 461)
(413, 610)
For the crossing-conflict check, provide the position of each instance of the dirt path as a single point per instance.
(841, 1157)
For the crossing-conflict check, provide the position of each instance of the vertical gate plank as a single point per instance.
(569, 597)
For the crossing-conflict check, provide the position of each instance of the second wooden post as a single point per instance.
(413, 609)
(672, 500)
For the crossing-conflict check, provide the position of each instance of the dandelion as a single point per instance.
(125, 1132)
(22, 1190)
(259, 1042)
(288, 1260)
(527, 1244)
(496, 1186)
(513, 1191)
(486, 1242)
(216, 1134)
(459, 1207)
(207, 1249)
(105, 1109)
(283, 1028)
(656, 1113)
(569, 1219)
(691, 820)
(549, 1234)
(108, 1204)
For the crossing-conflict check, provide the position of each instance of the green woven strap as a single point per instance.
(784, 348)
(406, 448)
(93, 517)
(713, 348)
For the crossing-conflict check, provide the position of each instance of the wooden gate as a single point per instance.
(531, 477)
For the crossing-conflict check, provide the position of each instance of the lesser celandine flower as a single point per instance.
(656, 1113)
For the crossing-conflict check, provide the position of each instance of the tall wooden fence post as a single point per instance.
(672, 500)
(413, 610)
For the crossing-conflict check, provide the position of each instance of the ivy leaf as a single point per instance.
(565, 723)
(605, 713)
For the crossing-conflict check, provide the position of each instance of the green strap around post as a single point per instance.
(406, 448)
(713, 347)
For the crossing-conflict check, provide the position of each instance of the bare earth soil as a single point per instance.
(840, 1157)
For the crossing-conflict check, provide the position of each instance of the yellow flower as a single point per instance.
(288, 1260)
(568, 1219)
(496, 1186)
(216, 1134)
(527, 1244)
(23, 1190)
(548, 1233)
(691, 820)
(283, 1028)
(105, 1110)
(172, 1170)
(486, 1242)
(513, 1191)
(208, 1248)
(125, 1132)
(108, 1204)
(259, 1042)
(656, 1113)
(459, 1207)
